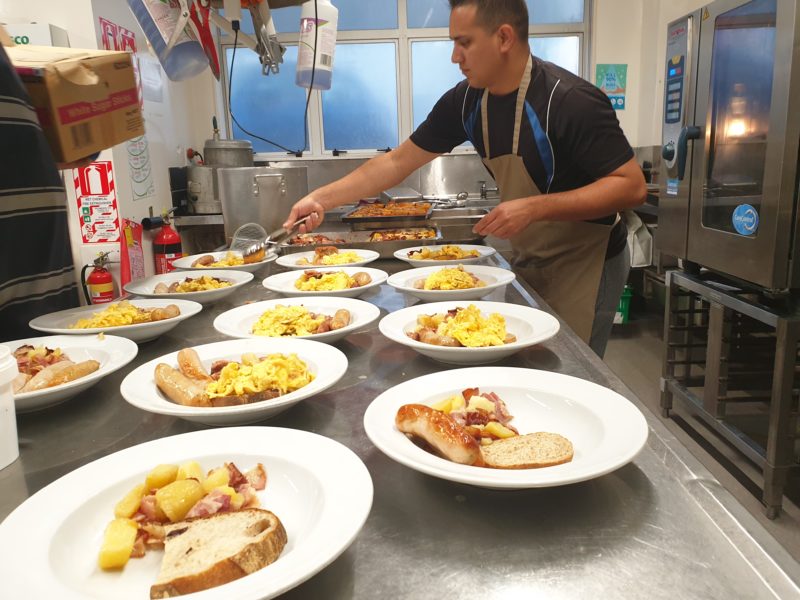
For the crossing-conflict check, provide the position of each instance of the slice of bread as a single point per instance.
(209, 551)
(530, 451)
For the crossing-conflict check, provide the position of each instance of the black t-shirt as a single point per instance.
(570, 136)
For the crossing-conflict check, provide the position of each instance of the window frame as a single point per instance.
(402, 37)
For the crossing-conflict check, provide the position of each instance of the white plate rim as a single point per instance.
(384, 436)
(289, 260)
(123, 351)
(371, 313)
(485, 307)
(350, 504)
(397, 280)
(336, 360)
(191, 308)
(484, 252)
(238, 278)
(271, 256)
(378, 278)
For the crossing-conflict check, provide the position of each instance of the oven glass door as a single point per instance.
(742, 64)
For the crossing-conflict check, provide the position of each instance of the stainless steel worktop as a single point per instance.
(661, 527)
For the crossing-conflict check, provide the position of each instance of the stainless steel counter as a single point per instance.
(661, 527)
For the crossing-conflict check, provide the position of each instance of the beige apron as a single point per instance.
(562, 261)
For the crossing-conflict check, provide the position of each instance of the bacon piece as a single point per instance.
(155, 533)
(138, 549)
(210, 504)
(235, 477)
(148, 508)
(216, 367)
(257, 477)
(469, 393)
(250, 497)
(477, 417)
(500, 409)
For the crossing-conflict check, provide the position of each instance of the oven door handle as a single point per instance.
(690, 132)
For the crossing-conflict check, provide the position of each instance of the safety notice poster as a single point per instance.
(97, 203)
(613, 80)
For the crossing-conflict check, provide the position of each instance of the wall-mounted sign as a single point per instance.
(613, 80)
(97, 203)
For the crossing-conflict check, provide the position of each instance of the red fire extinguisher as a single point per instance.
(166, 247)
(98, 288)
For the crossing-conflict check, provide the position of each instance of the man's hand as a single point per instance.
(307, 206)
(507, 219)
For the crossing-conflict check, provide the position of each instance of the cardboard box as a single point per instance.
(86, 100)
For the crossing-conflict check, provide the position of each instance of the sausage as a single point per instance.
(325, 326)
(168, 312)
(43, 379)
(173, 287)
(19, 382)
(179, 388)
(419, 284)
(161, 288)
(76, 371)
(429, 336)
(203, 261)
(190, 365)
(510, 338)
(341, 318)
(439, 430)
(361, 278)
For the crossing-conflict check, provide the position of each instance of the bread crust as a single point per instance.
(251, 558)
(528, 452)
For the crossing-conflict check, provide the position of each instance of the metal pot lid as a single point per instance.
(229, 145)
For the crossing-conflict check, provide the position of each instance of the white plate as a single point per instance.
(59, 322)
(111, 352)
(185, 263)
(605, 429)
(327, 363)
(283, 283)
(238, 322)
(493, 277)
(57, 532)
(146, 287)
(290, 260)
(530, 325)
(483, 252)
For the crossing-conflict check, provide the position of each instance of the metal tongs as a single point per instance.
(276, 238)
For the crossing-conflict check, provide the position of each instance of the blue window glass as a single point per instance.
(547, 11)
(565, 51)
(360, 109)
(367, 14)
(436, 13)
(270, 106)
(428, 13)
(286, 20)
(432, 74)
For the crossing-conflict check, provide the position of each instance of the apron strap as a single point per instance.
(522, 92)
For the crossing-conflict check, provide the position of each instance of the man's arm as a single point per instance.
(622, 189)
(374, 176)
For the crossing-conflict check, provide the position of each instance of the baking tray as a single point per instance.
(361, 239)
(390, 221)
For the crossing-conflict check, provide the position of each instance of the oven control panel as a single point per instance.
(675, 86)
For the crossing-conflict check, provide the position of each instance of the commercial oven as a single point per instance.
(731, 127)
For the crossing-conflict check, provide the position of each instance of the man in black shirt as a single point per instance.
(553, 144)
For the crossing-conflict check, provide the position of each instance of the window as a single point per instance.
(360, 109)
(379, 44)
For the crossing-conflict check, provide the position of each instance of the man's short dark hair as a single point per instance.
(491, 14)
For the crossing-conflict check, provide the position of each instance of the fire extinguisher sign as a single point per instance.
(97, 203)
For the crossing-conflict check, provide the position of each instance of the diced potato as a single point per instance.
(237, 499)
(118, 542)
(477, 402)
(176, 498)
(129, 504)
(216, 478)
(443, 405)
(191, 470)
(161, 476)
(498, 430)
(458, 403)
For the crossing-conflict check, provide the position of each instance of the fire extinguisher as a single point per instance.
(166, 246)
(98, 288)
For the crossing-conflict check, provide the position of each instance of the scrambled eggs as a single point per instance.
(273, 372)
(287, 321)
(340, 258)
(327, 283)
(115, 314)
(448, 252)
(201, 284)
(468, 326)
(452, 279)
(231, 259)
